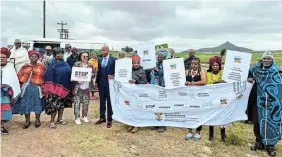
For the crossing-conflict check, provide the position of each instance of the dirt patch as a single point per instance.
(89, 140)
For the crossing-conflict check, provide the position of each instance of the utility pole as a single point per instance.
(44, 18)
(63, 32)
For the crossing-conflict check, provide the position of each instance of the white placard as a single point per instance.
(123, 70)
(236, 68)
(147, 54)
(81, 74)
(174, 73)
(187, 107)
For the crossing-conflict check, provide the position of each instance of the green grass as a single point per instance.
(204, 57)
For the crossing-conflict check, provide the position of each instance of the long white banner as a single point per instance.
(187, 107)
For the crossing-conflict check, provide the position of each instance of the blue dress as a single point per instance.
(30, 101)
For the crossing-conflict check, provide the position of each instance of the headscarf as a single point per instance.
(73, 50)
(136, 58)
(5, 51)
(32, 52)
(164, 53)
(215, 59)
(41, 50)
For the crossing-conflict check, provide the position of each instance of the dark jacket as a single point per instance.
(187, 62)
(139, 75)
(110, 70)
(71, 60)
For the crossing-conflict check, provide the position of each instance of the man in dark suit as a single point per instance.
(106, 69)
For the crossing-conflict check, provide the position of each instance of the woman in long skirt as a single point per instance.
(31, 78)
(10, 89)
(57, 87)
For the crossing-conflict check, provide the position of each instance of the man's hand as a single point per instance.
(110, 77)
(132, 81)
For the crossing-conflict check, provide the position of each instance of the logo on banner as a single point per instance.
(173, 66)
(159, 116)
(223, 101)
(237, 59)
(126, 103)
(145, 52)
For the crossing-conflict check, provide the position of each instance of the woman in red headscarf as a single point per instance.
(138, 77)
(10, 88)
(31, 78)
(214, 75)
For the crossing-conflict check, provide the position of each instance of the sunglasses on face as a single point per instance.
(85, 56)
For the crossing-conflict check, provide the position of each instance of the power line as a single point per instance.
(64, 33)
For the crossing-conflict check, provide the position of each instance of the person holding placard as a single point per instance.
(157, 78)
(195, 76)
(81, 90)
(268, 76)
(57, 87)
(138, 77)
(214, 76)
(106, 70)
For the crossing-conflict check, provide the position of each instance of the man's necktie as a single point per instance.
(104, 63)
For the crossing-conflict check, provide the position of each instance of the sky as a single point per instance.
(182, 24)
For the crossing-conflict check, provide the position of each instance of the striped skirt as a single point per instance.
(6, 104)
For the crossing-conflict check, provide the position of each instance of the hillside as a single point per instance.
(227, 45)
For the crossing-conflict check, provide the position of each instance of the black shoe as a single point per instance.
(26, 126)
(4, 131)
(271, 151)
(257, 146)
(109, 124)
(37, 124)
(100, 121)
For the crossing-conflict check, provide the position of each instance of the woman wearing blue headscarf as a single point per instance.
(157, 74)
(268, 111)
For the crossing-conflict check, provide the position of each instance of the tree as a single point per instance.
(127, 49)
(223, 52)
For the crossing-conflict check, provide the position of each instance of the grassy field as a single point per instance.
(89, 140)
(204, 57)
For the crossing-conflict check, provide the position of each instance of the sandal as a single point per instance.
(52, 125)
(62, 122)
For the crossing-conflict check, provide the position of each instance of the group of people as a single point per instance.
(44, 84)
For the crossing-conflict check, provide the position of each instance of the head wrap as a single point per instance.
(136, 58)
(73, 50)
(32, 52)
(48, 48)
(267, 55)
(41, 50)
(215, 59)
(164, 53)
(5, 51)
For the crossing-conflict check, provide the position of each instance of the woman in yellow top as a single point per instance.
(214, 75)
(94, 62)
